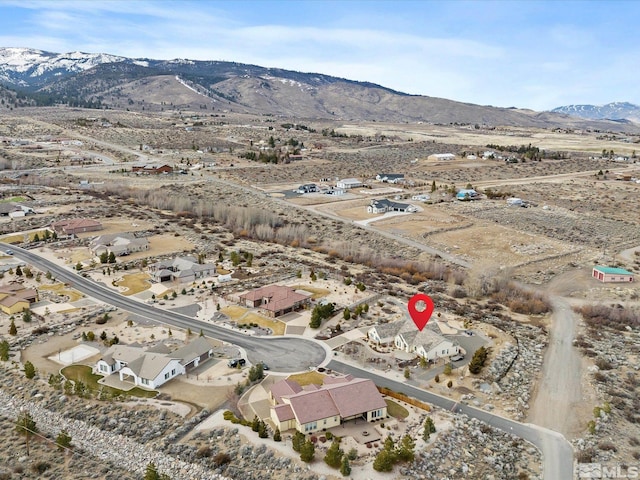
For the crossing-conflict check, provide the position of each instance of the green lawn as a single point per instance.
(13, 199)
(396, 410)
(83, 373)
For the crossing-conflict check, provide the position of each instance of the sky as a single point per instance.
(525, 54)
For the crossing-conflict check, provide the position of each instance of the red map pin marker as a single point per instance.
(420, 317)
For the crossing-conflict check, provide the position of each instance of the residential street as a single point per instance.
(292, 353)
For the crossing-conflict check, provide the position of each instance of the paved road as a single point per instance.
(282, 354)
(556, 450)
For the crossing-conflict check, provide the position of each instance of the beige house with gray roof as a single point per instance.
(154, 366)
(404, 335)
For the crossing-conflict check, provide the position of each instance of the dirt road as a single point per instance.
(559, 391)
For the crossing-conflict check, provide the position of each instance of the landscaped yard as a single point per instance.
(275, 325)
(234, 312)
(83, 373)
(134, 283)
(396, 410)
(62, 290)
(308, 378)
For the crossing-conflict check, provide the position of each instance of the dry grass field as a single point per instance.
(577, 218)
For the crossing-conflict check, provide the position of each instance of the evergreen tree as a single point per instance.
(477, 362)
(429, 428)
(112, 257)
(297, 441)
(406, 450)
(104, 257)
(346, 314)
(345, 468)
(18, 271)
(384, 461)
(307, 451)
(26, 426)
(63, 440)
(36, 238)
(334, 454)
(13, 330)
(4, 350)
(79, 266)
(263, 432)
(277, 437)
(433, 186)
(29, 370)
(26, 315)
(255, 424)
(151, 472)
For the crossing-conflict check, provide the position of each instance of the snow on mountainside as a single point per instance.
(610, 111)
(29, 67)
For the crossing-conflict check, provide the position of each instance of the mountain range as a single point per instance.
(98, 80)
(610, 111)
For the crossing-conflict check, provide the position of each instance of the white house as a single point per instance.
(390, 177)
(384, 205)
(441, 156)
(181, 269)
(347, 183)
(155, 366)
(119, 243)
(404, 335)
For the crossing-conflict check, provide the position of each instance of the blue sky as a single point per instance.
(528, 54)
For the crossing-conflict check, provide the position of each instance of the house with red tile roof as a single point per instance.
(315, 408)
(275, 300)
(73, 226)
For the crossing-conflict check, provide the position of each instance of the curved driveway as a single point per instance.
(282, 354)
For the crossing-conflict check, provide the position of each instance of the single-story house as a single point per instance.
(467, 194)
(404, 335)
(276, 300)
(384, 205)
(151, 168)
(441, 156)
(307, 188)
(118, 243)
(76, 225)
(181, 269)
(612, 274)
(314, 408)
(390, 177)
(422, 197)
(155, 366)
(15, 298)
(347, 183)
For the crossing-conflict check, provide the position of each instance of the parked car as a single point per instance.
(9, 252)
(265, 367)
(457, 358)
(233, 363)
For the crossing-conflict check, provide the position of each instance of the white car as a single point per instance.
(457, 358)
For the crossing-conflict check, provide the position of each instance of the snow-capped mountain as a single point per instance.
(610, 111)
(27, 67)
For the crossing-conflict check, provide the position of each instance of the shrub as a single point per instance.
(221, 458)
(204, 452)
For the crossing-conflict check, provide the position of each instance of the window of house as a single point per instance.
(173, 372)
(166, 375)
